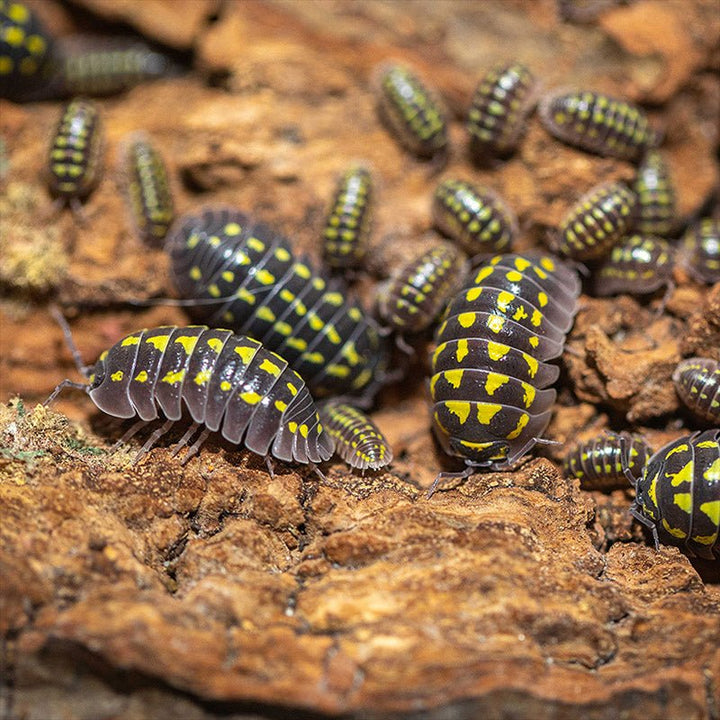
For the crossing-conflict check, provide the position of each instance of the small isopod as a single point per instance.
(608, 461)
(358, 441)
(597, 222)
(697, 381)
(417, 294)
(148, 189)
(476, 217)
(656, 196)
(597, 123)
(638, 265)
(413, 113)
(347, 225)
(76, 152)
(503, 99)
(700, 251)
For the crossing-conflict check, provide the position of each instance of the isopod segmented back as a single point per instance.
(358, 441)
(656, 211)
(264, 291)
(476, 217)
(228, 383)
(678, 495)
(607, 462)
(347, 225)
(697, 381)
(76, 151)
(490, 369)
(596, 222)
(598, 123)
(27, 54)
(638, 265)
(415, 296)
(148, 189)
(413, 112)
(700, 251)
(502, 100)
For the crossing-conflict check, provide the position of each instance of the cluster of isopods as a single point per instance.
(295, 333)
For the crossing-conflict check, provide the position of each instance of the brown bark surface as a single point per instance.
(212, 590)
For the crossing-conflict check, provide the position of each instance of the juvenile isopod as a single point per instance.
(597, 123)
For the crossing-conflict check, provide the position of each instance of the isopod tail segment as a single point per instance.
(227, 383)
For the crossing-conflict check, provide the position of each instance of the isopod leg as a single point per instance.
(131, 432)
(443, 476)
(152, 440)
(195, 447)
(183, 441)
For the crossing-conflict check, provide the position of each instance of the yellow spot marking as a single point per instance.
(679, 449)
(246, 353)
(265, 277)
(462, 350)
(159, 341)
(483, 273)
(174, 377)
(265, 313)
(486, 412)
(495, 381)
(282, 254)
(497, 350)
(117, 376)
(685, 475)
(270, 367)
(188, 342)
(334, 298)
(683, 501)
(514, 276)
(292, 427)
(228, 276)
(529, 397)
(202, 377)
(131, 340)
(504, 299)
(254, 244)
(459, 408)
(542, 299)
(495, 323)
(534, 341)
(675, 532)
(315, 322)
(315, 358)
(522, 264)
(103, 355)
(142, 376)
(195, 273)
(466, 319)
(285, 329)
(225, 386)
(297, 343)
(350, 353)
(245, 295)
(304, 430)
(712, 474)
(522, 422)
(332, 335)
(251, 398)
(536, 318)
(473, 294)
(280, 405)
(286, 295)
(519, 314)
(293, 390)
(215, 344)
(454, 377)
(712, 510)
(302, 270)
(233, 229)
